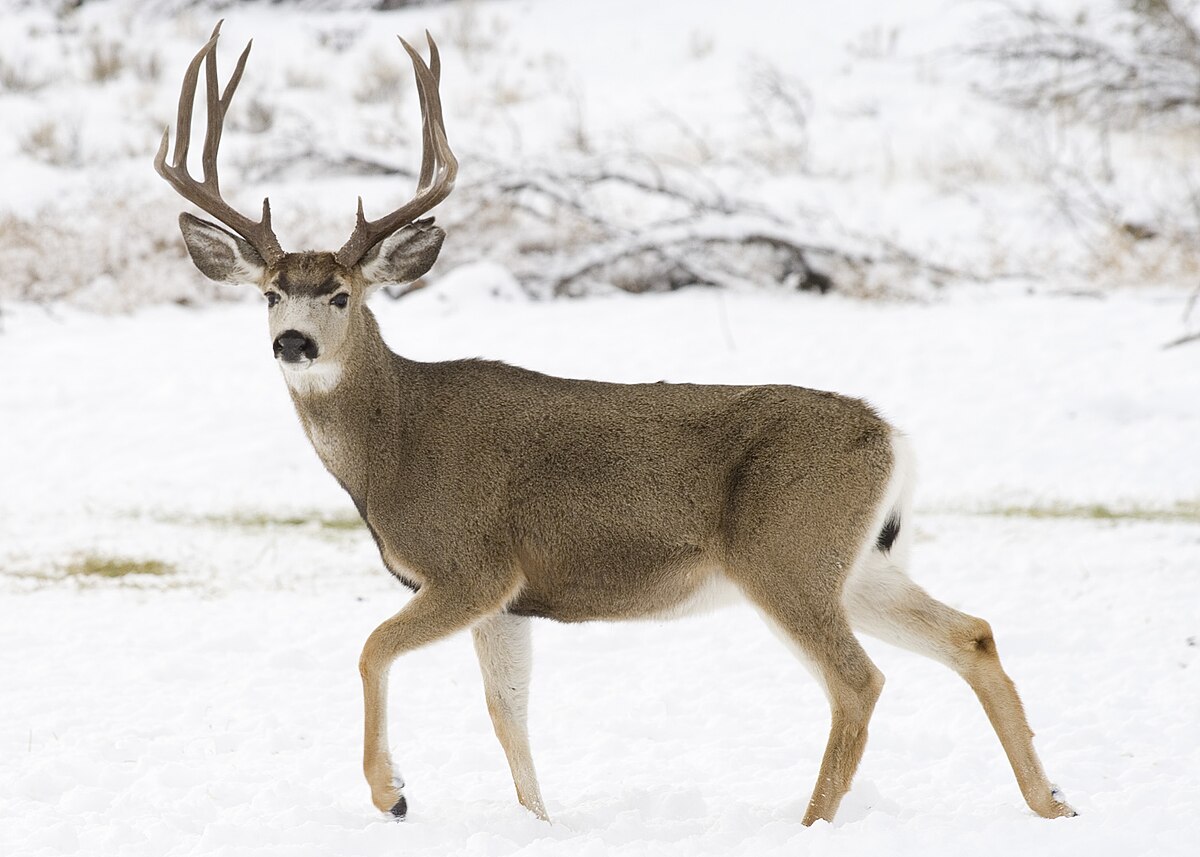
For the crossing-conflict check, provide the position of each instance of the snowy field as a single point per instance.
(213, 708)
(184, 591)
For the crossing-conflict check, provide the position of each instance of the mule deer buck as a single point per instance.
(499, 494)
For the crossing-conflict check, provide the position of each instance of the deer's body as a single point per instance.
(499, 494)
(602, 501)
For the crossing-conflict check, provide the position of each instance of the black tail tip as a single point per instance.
(889, 533)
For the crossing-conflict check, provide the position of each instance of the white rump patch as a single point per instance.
(879, 597)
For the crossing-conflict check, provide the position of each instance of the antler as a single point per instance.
(207, 194)
(439, 167)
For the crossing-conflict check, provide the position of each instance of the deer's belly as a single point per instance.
(651, 594)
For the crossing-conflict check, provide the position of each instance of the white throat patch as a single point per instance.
(307, 378)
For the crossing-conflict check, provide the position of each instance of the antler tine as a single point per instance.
(435, 59)
(439, 167)
(187, 98)
(435, 69)
(206, 194)
(212, 133)
(217, 106)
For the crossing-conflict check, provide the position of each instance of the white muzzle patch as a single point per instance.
(311, 376)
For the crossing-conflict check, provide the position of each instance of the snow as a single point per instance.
(216, 710)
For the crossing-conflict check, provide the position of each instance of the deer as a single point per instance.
(499, 495)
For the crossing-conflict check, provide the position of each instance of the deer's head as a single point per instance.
(312, 297)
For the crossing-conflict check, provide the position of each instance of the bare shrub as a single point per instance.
(338, 39)
(381, 79)
(577, 134)
(255, 117)
(470, 33)
(639, 226)
(110, 256)
(1108, 86)
(581, 223)
(303, 77)
(148, 67)
(1139, 63)
(106, 60)
(17, 77)
(780, 105)
(53, 143)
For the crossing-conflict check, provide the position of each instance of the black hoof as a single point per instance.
(400, 809)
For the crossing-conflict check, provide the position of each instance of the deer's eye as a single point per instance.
(272, 298)
(340, 300)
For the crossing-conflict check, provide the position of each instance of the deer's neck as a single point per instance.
(370, 410)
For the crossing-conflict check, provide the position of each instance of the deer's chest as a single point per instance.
(340, 452)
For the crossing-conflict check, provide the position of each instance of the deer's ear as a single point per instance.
(220, 255)
(404, 255)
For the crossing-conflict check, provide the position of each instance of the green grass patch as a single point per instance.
(266, 520)
(112, 567)
(1187, 511)
(95, 570)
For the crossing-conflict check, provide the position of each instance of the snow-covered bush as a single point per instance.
(1118, 85)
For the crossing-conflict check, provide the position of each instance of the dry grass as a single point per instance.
(468, 31)
(17, 78)
(106, 61)
(91, 570)
(381, 79)
(254, 117)
(303, 77)
(113, 567)
(1126, 255)
(267, 520)
(148, 264)
(53, 143)
(1184, 511)
(780, 105)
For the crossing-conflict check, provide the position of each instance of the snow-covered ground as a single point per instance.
(214, 709)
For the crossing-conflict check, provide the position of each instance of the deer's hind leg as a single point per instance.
(813, 623)
(882, 601)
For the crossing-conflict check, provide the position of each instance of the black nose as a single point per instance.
(292, 345)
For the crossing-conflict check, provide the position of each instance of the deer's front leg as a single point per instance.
(433, 613)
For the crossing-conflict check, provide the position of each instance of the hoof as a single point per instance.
(400, 809)
(1060, 808)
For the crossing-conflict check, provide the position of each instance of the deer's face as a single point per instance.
(313, 302)
(310, 302)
